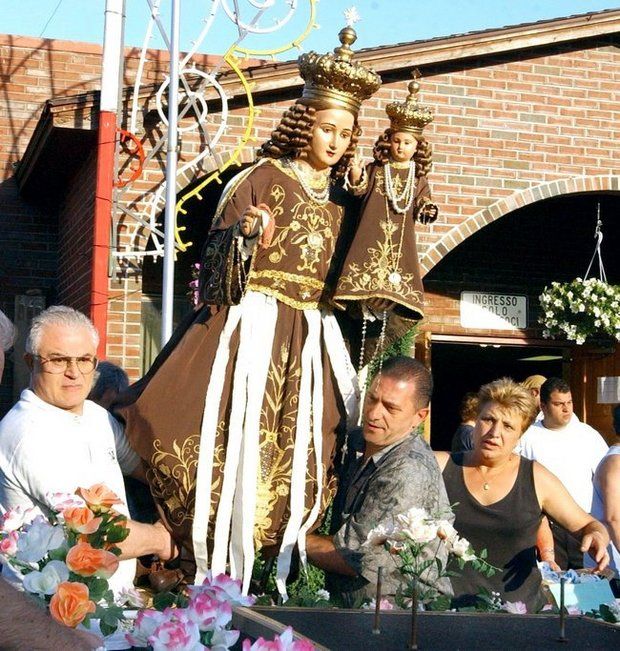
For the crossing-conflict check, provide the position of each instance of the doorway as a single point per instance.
(460, 368)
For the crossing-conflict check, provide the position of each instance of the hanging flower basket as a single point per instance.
(581, 310)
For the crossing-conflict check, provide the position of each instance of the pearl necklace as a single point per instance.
(406, 195)
(320, 198)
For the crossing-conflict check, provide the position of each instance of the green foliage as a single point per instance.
(400, 346)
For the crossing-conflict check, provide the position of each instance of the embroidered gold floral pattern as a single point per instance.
(278, 420)
(374, 275)
(172, 477)
(310, 233)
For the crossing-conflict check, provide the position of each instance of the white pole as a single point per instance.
(171, 174)
(112, 54)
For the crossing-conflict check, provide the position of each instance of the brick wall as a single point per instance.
(509, 131)
(75, 239)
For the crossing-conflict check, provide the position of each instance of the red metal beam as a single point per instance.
(106, 144)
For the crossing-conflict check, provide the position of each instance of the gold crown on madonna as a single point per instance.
(410, 115)
(335, 79)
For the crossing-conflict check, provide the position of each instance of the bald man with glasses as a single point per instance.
(54, 440)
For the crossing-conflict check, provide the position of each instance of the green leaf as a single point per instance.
(107, 629)
(59, 554)
(164, 600)
(97, 588)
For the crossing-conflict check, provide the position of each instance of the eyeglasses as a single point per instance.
(85, 365)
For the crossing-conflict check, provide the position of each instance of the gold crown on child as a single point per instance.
(333, 78)
(410, 115)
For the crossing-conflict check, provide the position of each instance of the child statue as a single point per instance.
(383, 259)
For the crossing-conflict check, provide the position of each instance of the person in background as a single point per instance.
(606, 500)
(23, 625)
(500, 498)
(462, 439)
(571, 450)
(533, 383)
(110, 380)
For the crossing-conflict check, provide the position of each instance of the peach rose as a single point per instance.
(99, 497)
(81, 519)
(71, 604)
(85, 560)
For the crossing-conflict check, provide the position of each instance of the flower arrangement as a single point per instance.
(580, 309)
(67, 559)
(192, 286)
(418, 542)
(202, 620)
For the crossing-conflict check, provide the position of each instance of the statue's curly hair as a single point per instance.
(423, 155)
(292, 137)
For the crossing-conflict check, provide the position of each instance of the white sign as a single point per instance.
(493, 311)
(608, 392)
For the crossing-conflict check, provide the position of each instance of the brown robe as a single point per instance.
(164, 419)
(378, 265)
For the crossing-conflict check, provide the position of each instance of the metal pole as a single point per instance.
(111, 64)
(167, 298)
(376, 629)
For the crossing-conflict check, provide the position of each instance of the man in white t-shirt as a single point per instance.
(571, 450)
(55, 441)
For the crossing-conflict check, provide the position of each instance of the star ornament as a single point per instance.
(351, 16)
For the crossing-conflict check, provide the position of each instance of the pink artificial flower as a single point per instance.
(61, 501)
(515, 607)
(16, 517)
(208, 612)
(145, 625)
(176, 635)
(8, 545)
(223, 588)
(282, 642)
(573, 610)
(384, 604)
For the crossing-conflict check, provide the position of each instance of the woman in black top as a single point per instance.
(500, 498)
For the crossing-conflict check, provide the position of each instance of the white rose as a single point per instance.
(462, 549)
(130, 597)
(446, 531)
(421, 532)
(37, 540)
(47, 580)
(379, 535)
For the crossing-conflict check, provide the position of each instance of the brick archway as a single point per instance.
(506, 205)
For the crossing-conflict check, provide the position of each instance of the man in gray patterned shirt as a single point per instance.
(388, 469)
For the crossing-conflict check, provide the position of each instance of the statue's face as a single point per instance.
(331, 137)
(402, 146)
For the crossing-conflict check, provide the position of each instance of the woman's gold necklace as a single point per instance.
(485, 484)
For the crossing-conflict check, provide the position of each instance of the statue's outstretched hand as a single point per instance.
(250, 222)
(356, 169)
(428, 213)
(258, 220)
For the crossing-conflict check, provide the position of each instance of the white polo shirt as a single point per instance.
(44, 449)
(572, 453)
